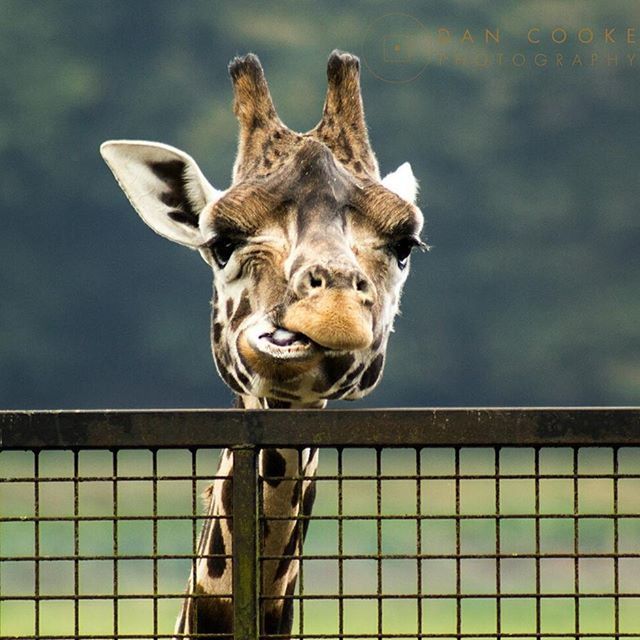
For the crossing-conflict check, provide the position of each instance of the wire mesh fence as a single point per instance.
(468, 524)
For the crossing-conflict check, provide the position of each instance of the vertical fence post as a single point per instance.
(246, 575)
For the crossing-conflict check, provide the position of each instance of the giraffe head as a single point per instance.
(309, 247)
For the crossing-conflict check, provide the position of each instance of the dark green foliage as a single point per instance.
(529, 177)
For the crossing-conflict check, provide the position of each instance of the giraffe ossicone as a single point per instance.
(309, 249)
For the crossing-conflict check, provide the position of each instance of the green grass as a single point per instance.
(400, 577)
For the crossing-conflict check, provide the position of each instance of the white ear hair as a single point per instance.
(164, 185)
(402, 182)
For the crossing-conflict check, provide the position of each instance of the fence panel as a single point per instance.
(509, 523)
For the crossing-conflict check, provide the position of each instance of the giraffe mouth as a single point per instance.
(279, 344)
(282, 343)
(275, 353)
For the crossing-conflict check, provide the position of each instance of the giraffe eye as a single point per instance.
(401, 250)
(222, 249)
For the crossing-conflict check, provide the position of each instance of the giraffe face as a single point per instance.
(309, 247)
(308, 267)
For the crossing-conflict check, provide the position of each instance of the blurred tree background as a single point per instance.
(529, 174)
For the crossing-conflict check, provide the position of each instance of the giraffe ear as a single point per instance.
(164, 185)
(402, 182)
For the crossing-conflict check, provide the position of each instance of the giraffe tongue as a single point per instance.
(284, 338)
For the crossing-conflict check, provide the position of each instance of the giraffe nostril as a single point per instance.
(362, 285)
(315, 282)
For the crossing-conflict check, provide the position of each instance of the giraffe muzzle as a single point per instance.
(337, 320)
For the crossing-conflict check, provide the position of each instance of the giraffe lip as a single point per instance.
(281, 337)
(276, 342)
(281, 344)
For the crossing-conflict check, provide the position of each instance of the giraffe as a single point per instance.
(309, 250)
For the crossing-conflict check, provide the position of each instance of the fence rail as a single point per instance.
(483, 495)
(329, 428)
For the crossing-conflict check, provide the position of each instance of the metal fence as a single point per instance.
(491, 523)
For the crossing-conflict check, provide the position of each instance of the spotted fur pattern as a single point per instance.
(211, 610)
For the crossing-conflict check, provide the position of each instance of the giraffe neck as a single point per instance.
(282, 535)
